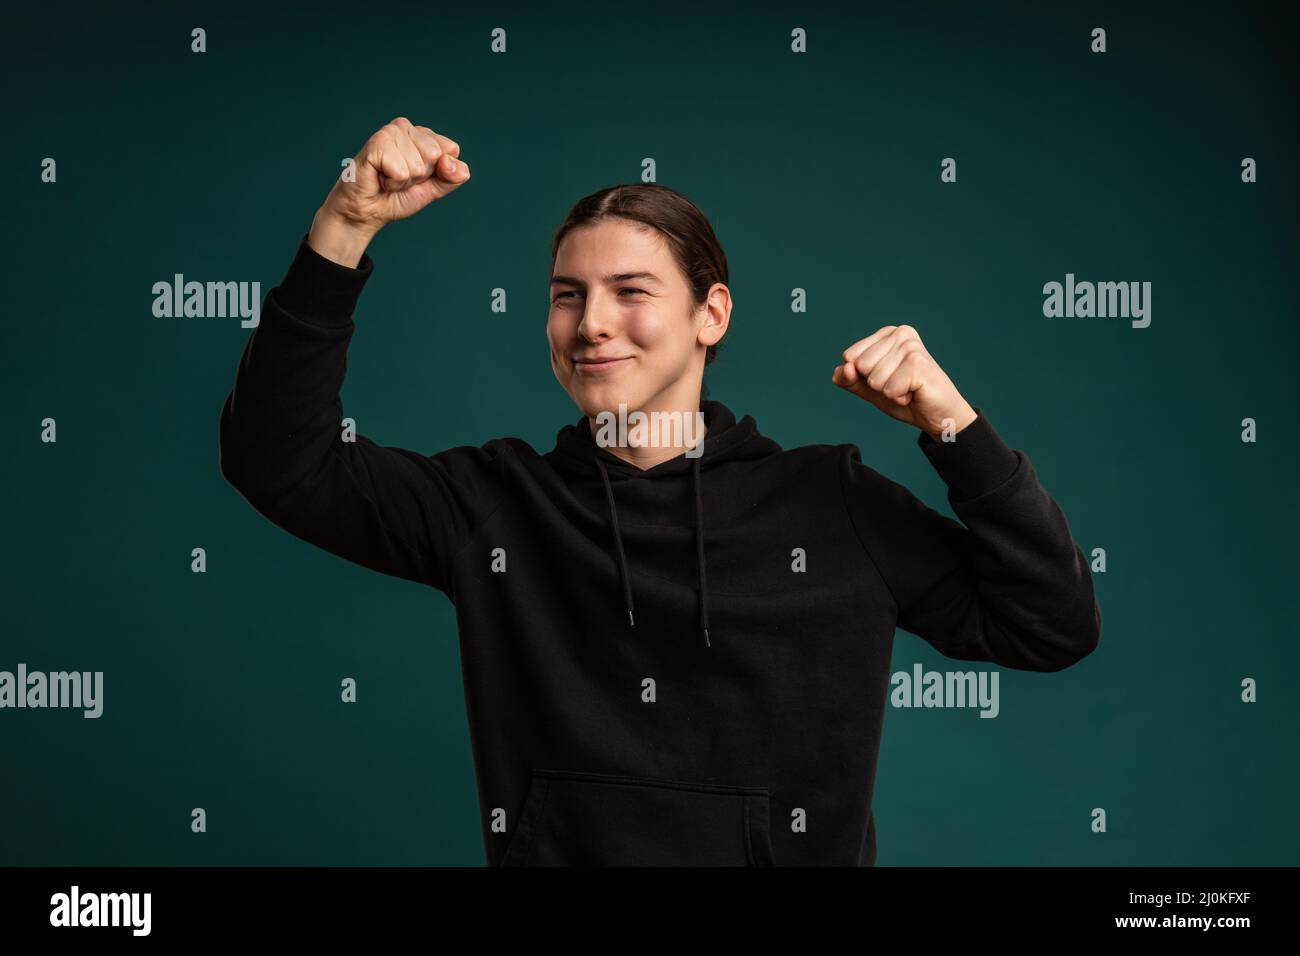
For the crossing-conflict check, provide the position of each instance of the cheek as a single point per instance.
(650, 332)
(665, 340)
(559, 333)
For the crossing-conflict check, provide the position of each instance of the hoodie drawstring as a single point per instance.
(618, 543)
(699, 552)
(699, 546)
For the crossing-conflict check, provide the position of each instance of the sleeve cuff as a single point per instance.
(321, 291)
(975, 463)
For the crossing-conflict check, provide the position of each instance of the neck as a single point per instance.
(652, 434)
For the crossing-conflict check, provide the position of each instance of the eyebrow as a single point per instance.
(608, 280)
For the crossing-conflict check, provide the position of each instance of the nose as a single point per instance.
(599, 319)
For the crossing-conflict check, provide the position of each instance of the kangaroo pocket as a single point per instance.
(574, 818)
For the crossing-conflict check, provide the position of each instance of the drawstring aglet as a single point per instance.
(706, 638)
(630, 619)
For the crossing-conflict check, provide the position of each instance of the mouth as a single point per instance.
(592, 366)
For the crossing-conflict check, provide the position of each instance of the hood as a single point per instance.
(726, 440)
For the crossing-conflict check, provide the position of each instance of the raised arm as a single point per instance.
(1011, 586)
(281, 434)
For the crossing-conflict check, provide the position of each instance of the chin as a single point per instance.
(603, 398)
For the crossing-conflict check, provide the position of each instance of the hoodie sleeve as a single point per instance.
(281, 441)
(1011, 586)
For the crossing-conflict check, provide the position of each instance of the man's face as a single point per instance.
(621, 327)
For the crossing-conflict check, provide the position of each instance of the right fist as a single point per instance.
(400, 170)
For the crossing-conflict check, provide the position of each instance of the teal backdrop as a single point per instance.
(820, 171)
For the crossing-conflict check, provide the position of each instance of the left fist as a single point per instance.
(892, 370)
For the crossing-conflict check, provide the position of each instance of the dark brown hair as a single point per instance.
(690, 237)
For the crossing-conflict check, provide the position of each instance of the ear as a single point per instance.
(717, 315)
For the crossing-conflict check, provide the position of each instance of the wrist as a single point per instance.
(961, 420)
(337, 239)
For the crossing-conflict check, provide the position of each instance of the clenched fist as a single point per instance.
(893, 371)
(400, 170)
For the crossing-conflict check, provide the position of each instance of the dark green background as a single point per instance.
(818, 171)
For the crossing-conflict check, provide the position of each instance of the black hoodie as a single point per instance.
(684, 665)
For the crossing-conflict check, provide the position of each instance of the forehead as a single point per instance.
(612, 245)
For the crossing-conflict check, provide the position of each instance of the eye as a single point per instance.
(632, 289)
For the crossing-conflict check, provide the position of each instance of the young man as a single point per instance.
(674, 652)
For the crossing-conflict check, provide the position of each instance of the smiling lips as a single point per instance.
(599, 364)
